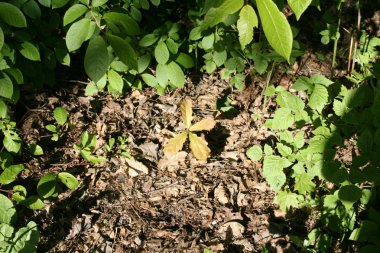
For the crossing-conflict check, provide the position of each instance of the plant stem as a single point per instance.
(336, 44)
(269, 76)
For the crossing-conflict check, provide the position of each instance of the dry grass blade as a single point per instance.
(203, 125)
(175, 144)
(187, 111)
(199, 147)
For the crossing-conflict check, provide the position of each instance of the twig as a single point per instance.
(356, 37)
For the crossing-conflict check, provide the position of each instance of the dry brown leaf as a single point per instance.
(203, 125)
(187, 111)
(175, 144)
(199, 147)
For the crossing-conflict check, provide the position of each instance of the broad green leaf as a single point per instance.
(185, 60)
(208, 41)
(122, 20)
(135, 13)
(6, 87)
(273, 170)
(303, 83)
(172, 46)
(29, 51)
(97, 3)
(247, 21)
(46, 3)
(320, 79)
(150, 80)
(26, 238)
(199, 147)
(55, 4)
(349, 195)
(286, 200)
(148, 40)
(19, 193)
(60, 115)
(33, 202)
(283, 119)
(304, 184)
(276, 28)
(1, 38)
(156, 2)
(15, 74)
(35, 149)
(283, 149)
(69, 180)
(3, 109)
(73, 13)
(175, 144)
(365, 232)
(46, 187)
(162, 75)
(96, 60)
(186, 109)
(7, 210)
(195, 33)
(299, 140)
(288, 100)
(218, 14)
(115, 82)
(204, 125)
(32, 9)
(143, 63)
(255, 153)
(63, 56)
(220, 57)
(12, 143)
(123, 50)
(10, 174)
(78, 33)
(12, 15)
(319, 97)
(175, 75)
(299, 6)
(51, 128)
(161, 53)
(91, 89)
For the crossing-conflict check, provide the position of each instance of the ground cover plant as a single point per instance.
(93, 92)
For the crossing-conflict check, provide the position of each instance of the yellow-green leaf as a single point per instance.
(203, 125)
(175, 144)
(186, 109)
(219, 13)
(199, 147)
(299, 6)
(276, 28)
(247, 21)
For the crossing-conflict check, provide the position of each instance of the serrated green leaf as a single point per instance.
(288, 100)
(283, 119)
(220, 57)
(115, 82)
(319, 97)
(254, 153)
(123, 50)
(78, 33)
(73, 13)
(195, 33)
(299, 6)
(276, 28)
(35, 149)
(60, 115)
(320, 79)
(161, 53)
(303, 83)
(284, 150)
(7, 210)
(96, 60)
(299, 139)
(69, 180)
(349, 195)
(10, 173)
(46, 187)
(273, 170)
(6, 87)
(304, 184)
(175, 75)
(121, 20)
(12, 15)
(286, 200)
(218, 14)
(247, 21)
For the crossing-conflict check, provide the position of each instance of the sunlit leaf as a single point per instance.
(287, 199)
(218, 14)
(175, 144)
(247, 21)
(199, 147)
(69, 180)
(203, 125)
(186, 109)
(12, 15)
(299, 6)
(96, 59)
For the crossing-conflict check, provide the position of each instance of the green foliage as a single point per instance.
(60, 115)
(86, 147)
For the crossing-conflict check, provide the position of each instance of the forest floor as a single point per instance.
(153, 203)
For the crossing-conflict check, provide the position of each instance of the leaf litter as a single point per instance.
(153, 202)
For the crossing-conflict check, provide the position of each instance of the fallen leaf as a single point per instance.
(136, 168)
(221, 195)
(199, 147)
(203, 125)
(149, 149)
(187, 111)
(235, 228)
(175, 144)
